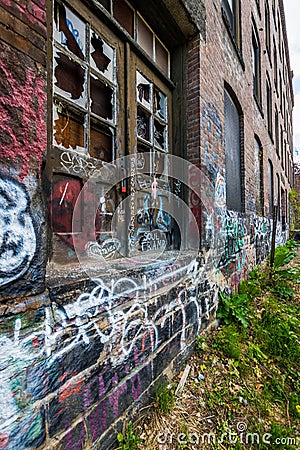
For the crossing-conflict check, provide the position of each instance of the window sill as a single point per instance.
(68, 282)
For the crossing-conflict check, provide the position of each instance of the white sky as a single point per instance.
(292, 17)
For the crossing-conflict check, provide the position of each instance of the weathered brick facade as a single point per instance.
(84, 344)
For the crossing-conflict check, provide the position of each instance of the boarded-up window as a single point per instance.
(233, 154)
(271, 186)
(258, 177)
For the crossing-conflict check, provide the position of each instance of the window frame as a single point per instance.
(260, 181)
(232, 18)
(256, 65)
(126, 49)
(268, 29)
(269, 100)
(238, 185)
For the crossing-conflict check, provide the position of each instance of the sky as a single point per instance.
(292, 17)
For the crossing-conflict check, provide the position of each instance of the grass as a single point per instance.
(243, 390)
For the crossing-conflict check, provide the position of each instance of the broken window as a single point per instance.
(90, 83)
(152, 223)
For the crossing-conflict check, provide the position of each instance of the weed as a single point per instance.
(228, 341)
(234, 309)
(200, 344)
(164, 396)
(129, 441)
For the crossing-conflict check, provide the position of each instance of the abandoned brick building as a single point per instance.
(143, 146)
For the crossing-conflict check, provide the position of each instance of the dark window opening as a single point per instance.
(124, 15)
(271, 186)
(233, 154)
(258, 177)
(231, 14)
(256, 66)
(269, 107)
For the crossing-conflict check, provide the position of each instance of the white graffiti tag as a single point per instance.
(17, 235)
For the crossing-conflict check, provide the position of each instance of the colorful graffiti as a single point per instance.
(89, 358)
(17, 234)
(213, 138)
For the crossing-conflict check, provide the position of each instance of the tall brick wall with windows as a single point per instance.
(83, 345)
(227, 62)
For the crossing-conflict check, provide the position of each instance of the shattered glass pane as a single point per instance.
(102, 56)
(159, 134)
(68, 128)
(69, 78)
(124, 15)
(159, 104)
(144, 36)
(143, 90)
(161, 57)
(101, 143)
(69, 30)
(143, 124)
(101, 99)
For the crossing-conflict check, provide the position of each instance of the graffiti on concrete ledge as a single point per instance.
(17, 234)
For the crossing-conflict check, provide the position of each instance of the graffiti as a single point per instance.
(151, 216)
(22, 108)
(220, 191)
(75, 163)
(260, 236)
(107, 249)
(153, 241)
(213, 138)
(125, 325)
(17, 234)
(232, 244)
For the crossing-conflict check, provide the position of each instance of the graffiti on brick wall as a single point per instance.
(104, 312)
(260, 237)
(17, 234)
(213, 138)
(125, 320)
(232, 244)
(22, 109)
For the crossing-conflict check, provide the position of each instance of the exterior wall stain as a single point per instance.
(22, 109)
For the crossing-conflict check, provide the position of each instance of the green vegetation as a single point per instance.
(245, 376)
(129, 441)
(164, 396)
(294, 198)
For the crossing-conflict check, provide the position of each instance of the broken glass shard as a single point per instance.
(101, 99)
(143, 124)
(143, 88)
(159, 104)
(69, 30)
(102, 56)
(69, 78)
(159, 134)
